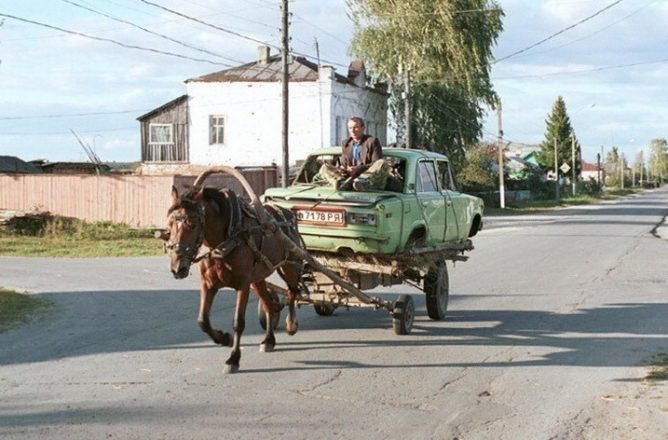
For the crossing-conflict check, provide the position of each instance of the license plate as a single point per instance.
(321, 216)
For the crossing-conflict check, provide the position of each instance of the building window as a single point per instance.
(161, 134)
(216, 130)
(338, 136)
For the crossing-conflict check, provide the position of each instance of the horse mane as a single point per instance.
(188, 202)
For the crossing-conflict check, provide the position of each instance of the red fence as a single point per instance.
(138, 201)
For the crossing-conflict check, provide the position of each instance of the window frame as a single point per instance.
(213, 129)
(151, 139)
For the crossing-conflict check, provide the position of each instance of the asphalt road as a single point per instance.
(550, 327)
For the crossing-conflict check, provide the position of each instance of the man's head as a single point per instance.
(356, 127)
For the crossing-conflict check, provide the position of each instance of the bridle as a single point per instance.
(188, 252)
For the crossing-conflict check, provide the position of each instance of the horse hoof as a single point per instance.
(266, 348)
(291, 329)
(230, 368)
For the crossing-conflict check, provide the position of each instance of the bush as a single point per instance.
(44, 224)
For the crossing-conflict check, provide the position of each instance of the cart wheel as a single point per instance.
(403, 315)
(324, 309)
(277, 311)
(437, 290)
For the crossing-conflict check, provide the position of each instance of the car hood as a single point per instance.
(312, 193)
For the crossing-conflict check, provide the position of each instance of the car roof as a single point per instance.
(403, 153)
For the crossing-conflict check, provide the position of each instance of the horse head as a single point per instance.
(185, 231)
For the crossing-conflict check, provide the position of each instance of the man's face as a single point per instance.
(356, 130)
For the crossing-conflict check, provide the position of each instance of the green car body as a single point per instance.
(423, 208)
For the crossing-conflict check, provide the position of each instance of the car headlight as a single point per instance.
(361, 219)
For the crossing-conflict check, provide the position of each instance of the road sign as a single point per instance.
(565, 168)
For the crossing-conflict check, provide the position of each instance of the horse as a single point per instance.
(242, 246)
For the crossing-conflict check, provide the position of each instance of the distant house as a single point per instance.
(590, 170)
(233, 117)
(71, 167)
(12, 164)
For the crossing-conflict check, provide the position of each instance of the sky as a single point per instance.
(66, 68)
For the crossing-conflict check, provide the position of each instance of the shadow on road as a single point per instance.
(88, 323)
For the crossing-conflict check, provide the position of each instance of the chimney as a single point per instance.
(263, 55)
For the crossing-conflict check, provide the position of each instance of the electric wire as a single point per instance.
(151, 32)
(109, 40)
(567, 28)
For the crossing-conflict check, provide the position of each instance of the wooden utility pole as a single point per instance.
(407, 105)
(556, 171)
(502, 192)
(573, 161)
(285, 168)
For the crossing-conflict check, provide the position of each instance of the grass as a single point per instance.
(541, 206)
(43, 235)
(658, 368)
(17, 308)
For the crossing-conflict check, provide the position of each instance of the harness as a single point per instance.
(241, 229)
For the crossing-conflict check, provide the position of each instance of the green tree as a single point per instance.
(478, 173)
(658, 159)
(614, 161)
(445, 48)
(559, 130)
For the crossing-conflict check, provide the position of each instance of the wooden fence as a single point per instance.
(137, 201)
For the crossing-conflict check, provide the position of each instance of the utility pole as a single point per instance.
(499, 146)
(573, 161)
(322, 130)
(621, 169)
(598, 170)
(285, 169)
(556, 171)
(407, 107)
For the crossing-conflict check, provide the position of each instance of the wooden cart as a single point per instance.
(333, 280)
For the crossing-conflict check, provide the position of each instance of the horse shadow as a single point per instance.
(94, 322)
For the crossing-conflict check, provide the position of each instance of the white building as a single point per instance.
(233, 117)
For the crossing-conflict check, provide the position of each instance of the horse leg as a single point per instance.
(206, 296)
(290, 275)
(239, 324)
(269, 341)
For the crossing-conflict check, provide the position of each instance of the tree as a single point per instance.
(658, 159)
(559, 130)
(444, 47)
(478, 175)
(614, 163)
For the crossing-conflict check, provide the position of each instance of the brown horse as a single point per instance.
(241, 248)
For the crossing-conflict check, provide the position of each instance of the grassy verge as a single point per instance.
(43, 235)
(540, 206)
(17, 308)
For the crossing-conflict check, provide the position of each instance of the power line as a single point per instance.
(151, 32)
(597, 31)
(197, 20)
(109, 40)
(600, 11)
(575, 72)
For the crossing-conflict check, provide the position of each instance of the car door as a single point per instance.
(455, 204)
(431, 200)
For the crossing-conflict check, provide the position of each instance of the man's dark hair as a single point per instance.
(357, 120)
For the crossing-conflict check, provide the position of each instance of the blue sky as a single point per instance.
(610, 69)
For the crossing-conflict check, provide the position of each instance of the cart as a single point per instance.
(333, 280)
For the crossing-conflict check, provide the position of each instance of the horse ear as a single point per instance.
(175, 194)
